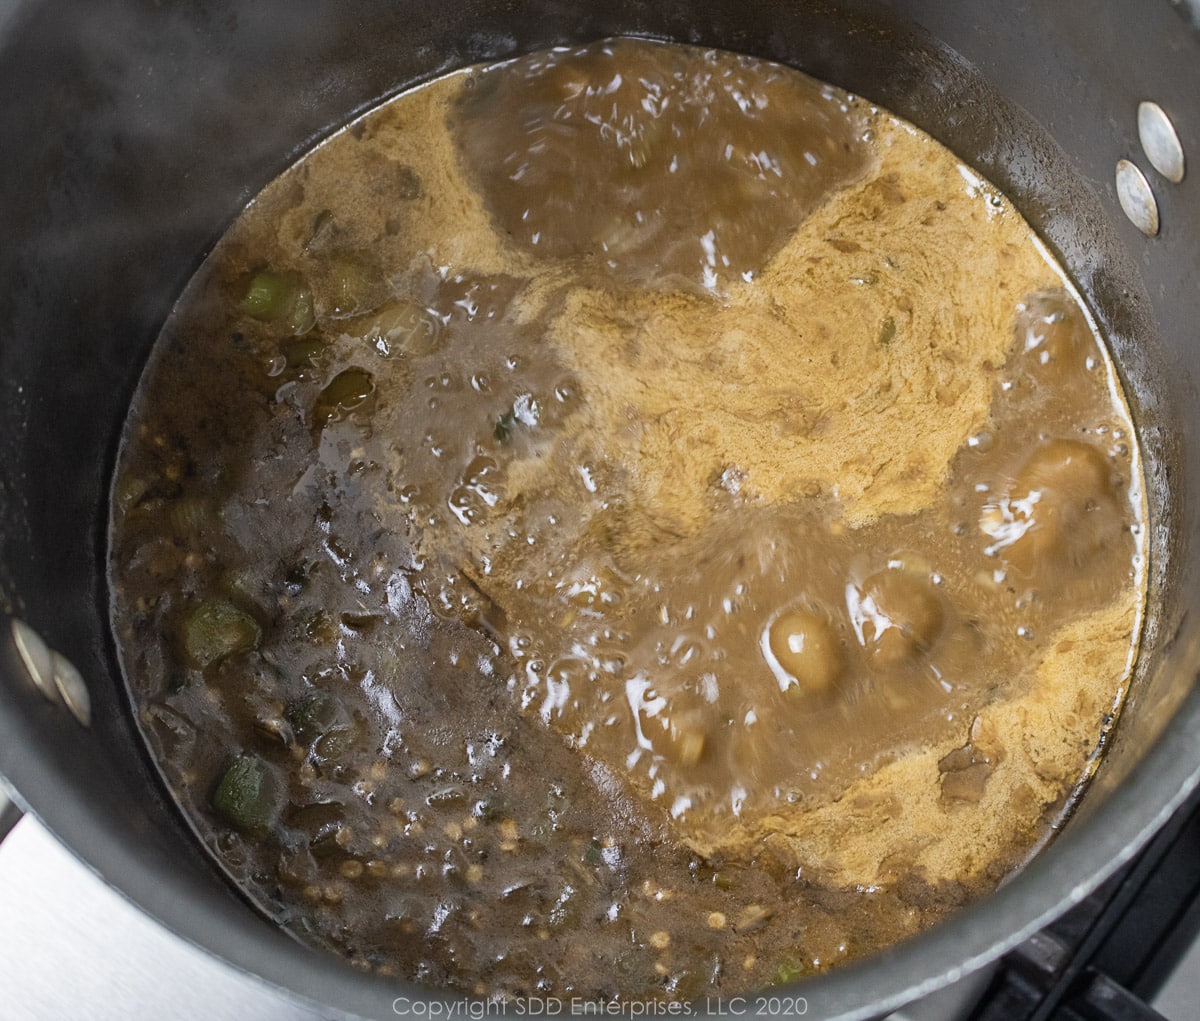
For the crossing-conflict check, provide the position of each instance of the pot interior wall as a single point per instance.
(134, 132)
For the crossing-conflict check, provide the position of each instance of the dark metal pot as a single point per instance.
(134, 131)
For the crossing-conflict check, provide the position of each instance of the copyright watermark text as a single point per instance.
(553, 1006)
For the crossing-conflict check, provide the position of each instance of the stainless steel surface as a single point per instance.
(70, 947)
(1160, 142)
(1137, 198)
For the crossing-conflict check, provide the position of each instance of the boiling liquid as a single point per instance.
(701, 510)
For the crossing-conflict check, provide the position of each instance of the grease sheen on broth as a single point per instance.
(633, 491)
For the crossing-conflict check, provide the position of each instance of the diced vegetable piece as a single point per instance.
(491, 808)
(302, 317)
(447, 797)
(273, 728)
(270, 295)
(753, 918)
(129, 491)
(320, 823)
(318, 627)
(355, 285)
(247, 796)
(400, 326)
(334, 743)
(280, 298)
(788, 971)
(690, 986)
(190, 515)
(311, 715)
(316, 716)
(216, 629)
(303, 352)
(244, 586)
(325, 844)
(346, 391)
(887, 332)
(363, 623)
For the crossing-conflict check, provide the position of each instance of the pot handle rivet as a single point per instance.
(52, 673)
(1137, 198)
(1160, 141)
(72, 688)
(36, 656)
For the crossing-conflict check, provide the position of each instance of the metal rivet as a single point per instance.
(73, 689)
(36, 656)
(1133, 191)
(1160, 142)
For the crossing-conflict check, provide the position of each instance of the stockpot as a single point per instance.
(133, 131)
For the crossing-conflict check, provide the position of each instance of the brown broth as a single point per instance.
(632, 491)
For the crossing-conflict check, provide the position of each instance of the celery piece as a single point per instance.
(216, 629)
(345, 392)
(247, 796)
(271, 296)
